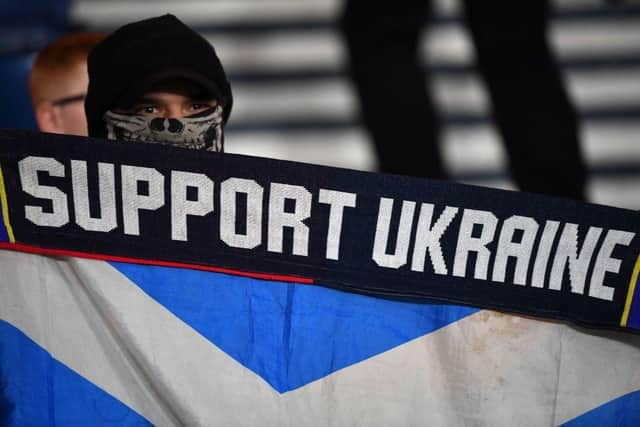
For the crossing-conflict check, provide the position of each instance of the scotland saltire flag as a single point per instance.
(87, 342)
(157, 286)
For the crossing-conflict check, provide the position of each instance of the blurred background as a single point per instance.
(293, 100)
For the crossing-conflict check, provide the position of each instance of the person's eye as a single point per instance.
(197, 106)
(146, 110)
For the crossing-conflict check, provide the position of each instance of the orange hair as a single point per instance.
(58, 60)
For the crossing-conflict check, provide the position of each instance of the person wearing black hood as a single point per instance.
(158, 81)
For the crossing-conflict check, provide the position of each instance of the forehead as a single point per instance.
(60, 83)
(180, 88)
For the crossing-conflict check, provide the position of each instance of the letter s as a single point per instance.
(29, 168)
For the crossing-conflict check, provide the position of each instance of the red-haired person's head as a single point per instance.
(58, 83)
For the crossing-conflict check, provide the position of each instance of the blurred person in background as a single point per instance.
(531, 108)
(58, 83)
(158, 81)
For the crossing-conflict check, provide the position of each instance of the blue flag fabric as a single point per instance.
(86, 342)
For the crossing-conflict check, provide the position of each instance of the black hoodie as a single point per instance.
(136, 56)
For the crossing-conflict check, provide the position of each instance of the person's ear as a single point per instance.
(47, 117)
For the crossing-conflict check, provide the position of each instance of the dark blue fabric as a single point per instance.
(34, 12)
(634, 312)
(4, 236)
(15, 109)
(26, 26)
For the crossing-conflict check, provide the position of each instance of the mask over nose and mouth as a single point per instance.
(202, 131)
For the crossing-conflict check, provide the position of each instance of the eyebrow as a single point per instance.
(203, 96)
(198, 97)
(144, 100)
(69, 100)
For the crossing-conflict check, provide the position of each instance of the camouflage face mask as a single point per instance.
(202, 131)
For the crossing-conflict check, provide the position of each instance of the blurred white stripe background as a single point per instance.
(286, 62)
